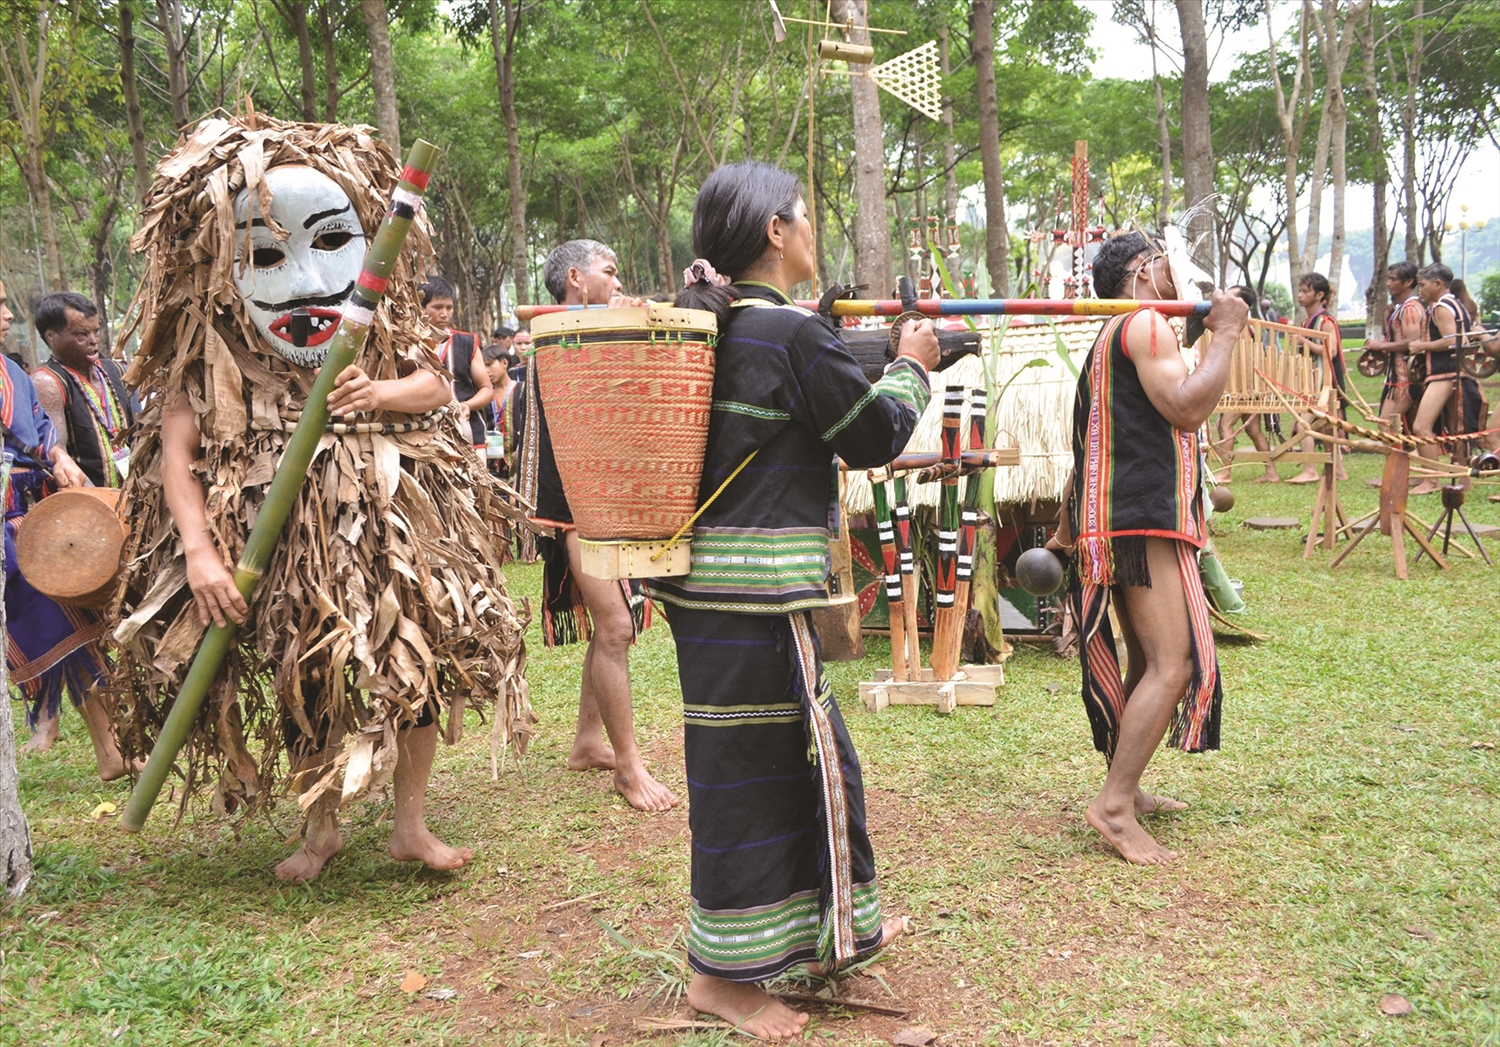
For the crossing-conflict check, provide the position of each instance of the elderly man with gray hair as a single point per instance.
(574, 605)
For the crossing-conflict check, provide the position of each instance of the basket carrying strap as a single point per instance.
(703, 508)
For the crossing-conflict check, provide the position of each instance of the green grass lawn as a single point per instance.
(1342, 846)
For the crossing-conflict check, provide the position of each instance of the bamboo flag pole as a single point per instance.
(291, 473)
(977, 408)
(893, 595)
(964, 307)
(946, 582)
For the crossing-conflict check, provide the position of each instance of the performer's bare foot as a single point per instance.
(1146, 803)
(419, 845)
(1122, 832)
(1267, 478)
(113, 768)
(42, 737)
(1425, 487)
(320, 844)
(747, 1007)
(1223, 477)
(642, 791)
(1305, 478)
(591, 755)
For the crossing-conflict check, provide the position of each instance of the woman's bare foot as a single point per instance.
(317, 847)
(1268, 478)
(591, 755)
(642, 791)
(746, 1007)
(42, 737)
(1122, 832)
(1304, 478)
(421, 846)
(1145, 803)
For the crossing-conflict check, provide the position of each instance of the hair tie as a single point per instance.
(702, 270)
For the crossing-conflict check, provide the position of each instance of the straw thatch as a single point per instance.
(385, 593)
(1035, 413)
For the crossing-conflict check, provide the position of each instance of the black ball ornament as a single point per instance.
(1222, 498)
(1039, 571)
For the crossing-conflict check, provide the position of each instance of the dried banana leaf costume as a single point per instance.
(384, 602)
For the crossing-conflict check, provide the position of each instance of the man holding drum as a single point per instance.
(583, 272)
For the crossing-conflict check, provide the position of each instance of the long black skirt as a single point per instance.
(782, 869)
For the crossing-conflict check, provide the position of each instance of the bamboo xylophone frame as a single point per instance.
(1285, 354)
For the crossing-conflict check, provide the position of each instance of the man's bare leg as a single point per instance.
(750, 1009)
(97, 718)
(321, 838)
(590, 749)
(1135, 669)
(1257, 433)
(606, 690)
(1309, 473)
(1159, 626)
(1434, 399)
(411, 840)
(1225, 446)
(43, 735)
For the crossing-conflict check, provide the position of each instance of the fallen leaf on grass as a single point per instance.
(914, 1036)
(1394, 1006)
(50, 914)
(1482, 745)
(598, 1040)
(1053, 688)
(1403, 728)
(439, 994)
(581, 1012)
(99, 812)
(1420, 931)
(533, 954)
(413, 982)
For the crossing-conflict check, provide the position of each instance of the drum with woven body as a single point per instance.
(628, 395)
(68, 546)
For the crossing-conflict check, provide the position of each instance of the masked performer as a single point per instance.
(782, 870)
(575, 605)
(383, 605)
(1135, 513)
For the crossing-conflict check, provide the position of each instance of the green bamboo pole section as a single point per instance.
(359, 312)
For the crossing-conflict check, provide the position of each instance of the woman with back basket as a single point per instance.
(782, 870)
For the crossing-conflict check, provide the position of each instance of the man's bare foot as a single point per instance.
(1122, 832)
(642, 791)
(1223, 477)
(1145, 803)
(1373, 481)
(1427, 487)
(746, 1007)
(42, 737)
(309, 859)
(422, 846)
(113, 768)
(1268, 478)
(591, 755)
(1304, 478)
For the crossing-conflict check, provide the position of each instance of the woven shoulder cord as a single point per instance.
(704, 507)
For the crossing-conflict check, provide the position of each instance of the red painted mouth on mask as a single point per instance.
(324, 323)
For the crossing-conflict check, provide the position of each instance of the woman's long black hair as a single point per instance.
(733, 209)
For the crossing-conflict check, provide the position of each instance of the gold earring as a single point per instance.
(781, 255)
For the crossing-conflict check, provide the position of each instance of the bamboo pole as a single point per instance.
(291, 473)
(911, 583)
(963, 307)
(893, 594)
(946, 583)
(970, 524)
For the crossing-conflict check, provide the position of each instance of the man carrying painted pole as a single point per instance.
(1136, 523)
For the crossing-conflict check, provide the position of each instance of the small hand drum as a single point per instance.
(68, 546)
(1477, 362)
(1371, 363)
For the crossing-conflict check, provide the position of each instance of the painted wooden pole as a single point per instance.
(963, 307)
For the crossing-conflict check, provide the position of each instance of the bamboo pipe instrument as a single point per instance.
(358, 313)
(910, 584)
(946, 583)
(893, 594)
(961, 307)
(972, 458)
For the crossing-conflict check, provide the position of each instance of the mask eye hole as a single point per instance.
(332, 240)
(267, 257)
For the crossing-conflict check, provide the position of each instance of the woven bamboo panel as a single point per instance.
(628, 417)
(1269, 355)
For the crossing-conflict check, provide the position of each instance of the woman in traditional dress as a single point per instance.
(782, 869)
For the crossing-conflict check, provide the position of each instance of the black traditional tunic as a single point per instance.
(782, 869)
(1406, 316)
(1135, 476)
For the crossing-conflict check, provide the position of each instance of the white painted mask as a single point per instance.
(313, 269)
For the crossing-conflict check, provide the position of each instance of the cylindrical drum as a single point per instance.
(628, 394)
(68, 546)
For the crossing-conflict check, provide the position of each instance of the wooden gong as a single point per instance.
(68, 546)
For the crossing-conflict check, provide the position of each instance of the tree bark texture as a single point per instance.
(1409, 137)
(135, 121)
(503, 38)
(328, 29)
(175, 43)
(1293, 125)
(15, 833)
(1197, 141)
(872, 237)
(25, 82)
(996, 235)
(1377, 296)
(1336, 42)
(950, 151)
(383, 73)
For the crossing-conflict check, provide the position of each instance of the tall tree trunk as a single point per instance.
(1293, 125)
(1409, 137)
(1336, 44)
(872, 238)
(15, 833)
(295, 13)
(135, 121)
(175, 44)
(382, 73)
(503, 39)
(950, 154)
(996, 235)
(25, 82)
(1197, 142)
(329, 29)
(1317, 181)
(1377, 295)
(1163, 132)
(99, 266)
